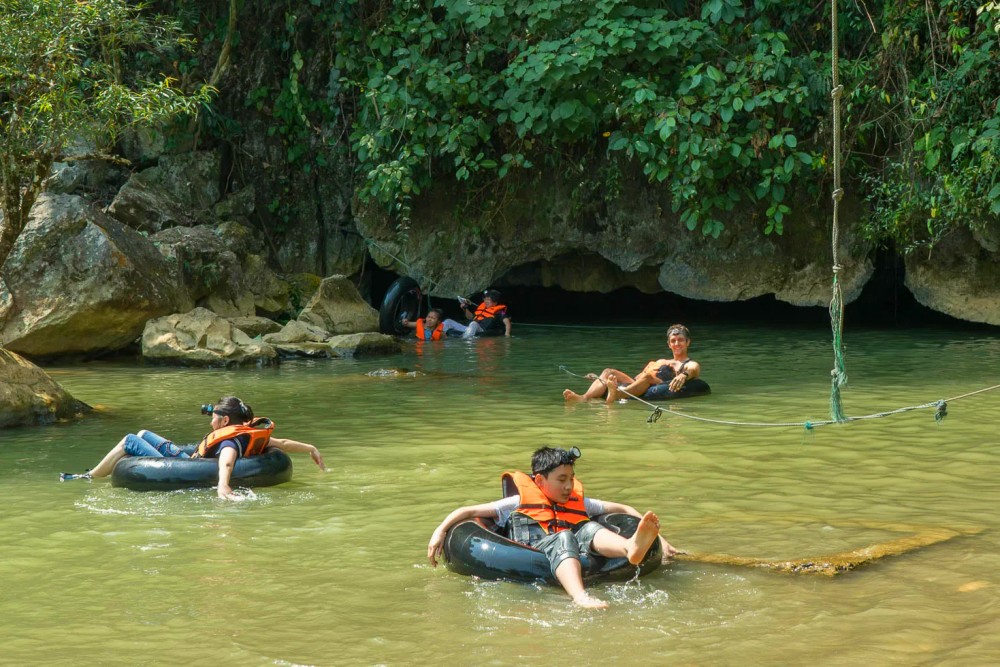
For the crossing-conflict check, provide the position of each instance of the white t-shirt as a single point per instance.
(507, 505)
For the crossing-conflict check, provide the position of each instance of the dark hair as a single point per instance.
(234, 408)
(440, 313)
(678, 329)
(547, 459)
(493, 294)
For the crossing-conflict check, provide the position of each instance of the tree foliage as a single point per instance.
(927, 107)
(719, 104)
(72, 70)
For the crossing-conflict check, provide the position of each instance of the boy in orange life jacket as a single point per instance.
(227, 413)
(428, 328)
(550, 514)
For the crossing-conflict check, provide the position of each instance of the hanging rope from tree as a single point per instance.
(838, 376)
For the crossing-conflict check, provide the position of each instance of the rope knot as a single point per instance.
(838, 194)
(941, 412)
(837, 268)
(837, 92)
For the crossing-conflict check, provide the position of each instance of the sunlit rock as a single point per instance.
(29, 396)
(202, 338)
(80, 283)
(338, 307)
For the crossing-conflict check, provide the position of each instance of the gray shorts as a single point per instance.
(557, 547)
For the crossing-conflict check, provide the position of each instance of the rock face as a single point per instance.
(79, 282)
(214, 273)
(338, 308)
(960, 277)
(548, 238)
(201, 338)
(180, 191)
(29, 396)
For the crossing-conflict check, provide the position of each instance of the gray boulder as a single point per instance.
(180, 191)
(202, 338)
(337, 306)
(78, 282)
(364, 345)
(219, 278)
(300, 339)
(254, 326)
(29, 396)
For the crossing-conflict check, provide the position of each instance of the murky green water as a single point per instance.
(330, 570)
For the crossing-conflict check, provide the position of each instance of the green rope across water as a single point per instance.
(940, 411)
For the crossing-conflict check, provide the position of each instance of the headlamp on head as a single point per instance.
(207, 409)
(571, 455)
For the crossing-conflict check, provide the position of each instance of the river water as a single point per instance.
(330, 568)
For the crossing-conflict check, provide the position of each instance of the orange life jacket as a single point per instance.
(484, 312)
(534, 504)
(259, 430)
(435, 335)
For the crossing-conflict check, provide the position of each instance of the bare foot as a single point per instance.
(645, 534)
(585, 600)
(612, 394)
(571, 395)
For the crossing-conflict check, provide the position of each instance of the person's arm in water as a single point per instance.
(290, 446)
(436, 544)
(227, 459)
(506, 324)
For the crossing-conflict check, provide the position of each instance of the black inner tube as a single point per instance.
(403, 300)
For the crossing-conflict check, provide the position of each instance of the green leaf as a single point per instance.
(791, 141)
(618, 143)
(932, 158)
(726, 113)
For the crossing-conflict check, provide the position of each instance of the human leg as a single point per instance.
(563, 551)
(130, 445)
(160, 444)
(451, 326)
(612, 545)
(634, 389)
(474, 329)
(599, 386)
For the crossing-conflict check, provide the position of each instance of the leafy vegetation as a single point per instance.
(927, 110)
(73, 70)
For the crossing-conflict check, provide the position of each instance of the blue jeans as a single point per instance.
(147, 443)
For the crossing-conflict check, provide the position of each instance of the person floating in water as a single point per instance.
(427, 328)
(551, 514)
(235, 433)
(490, 318)
(613, 384)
